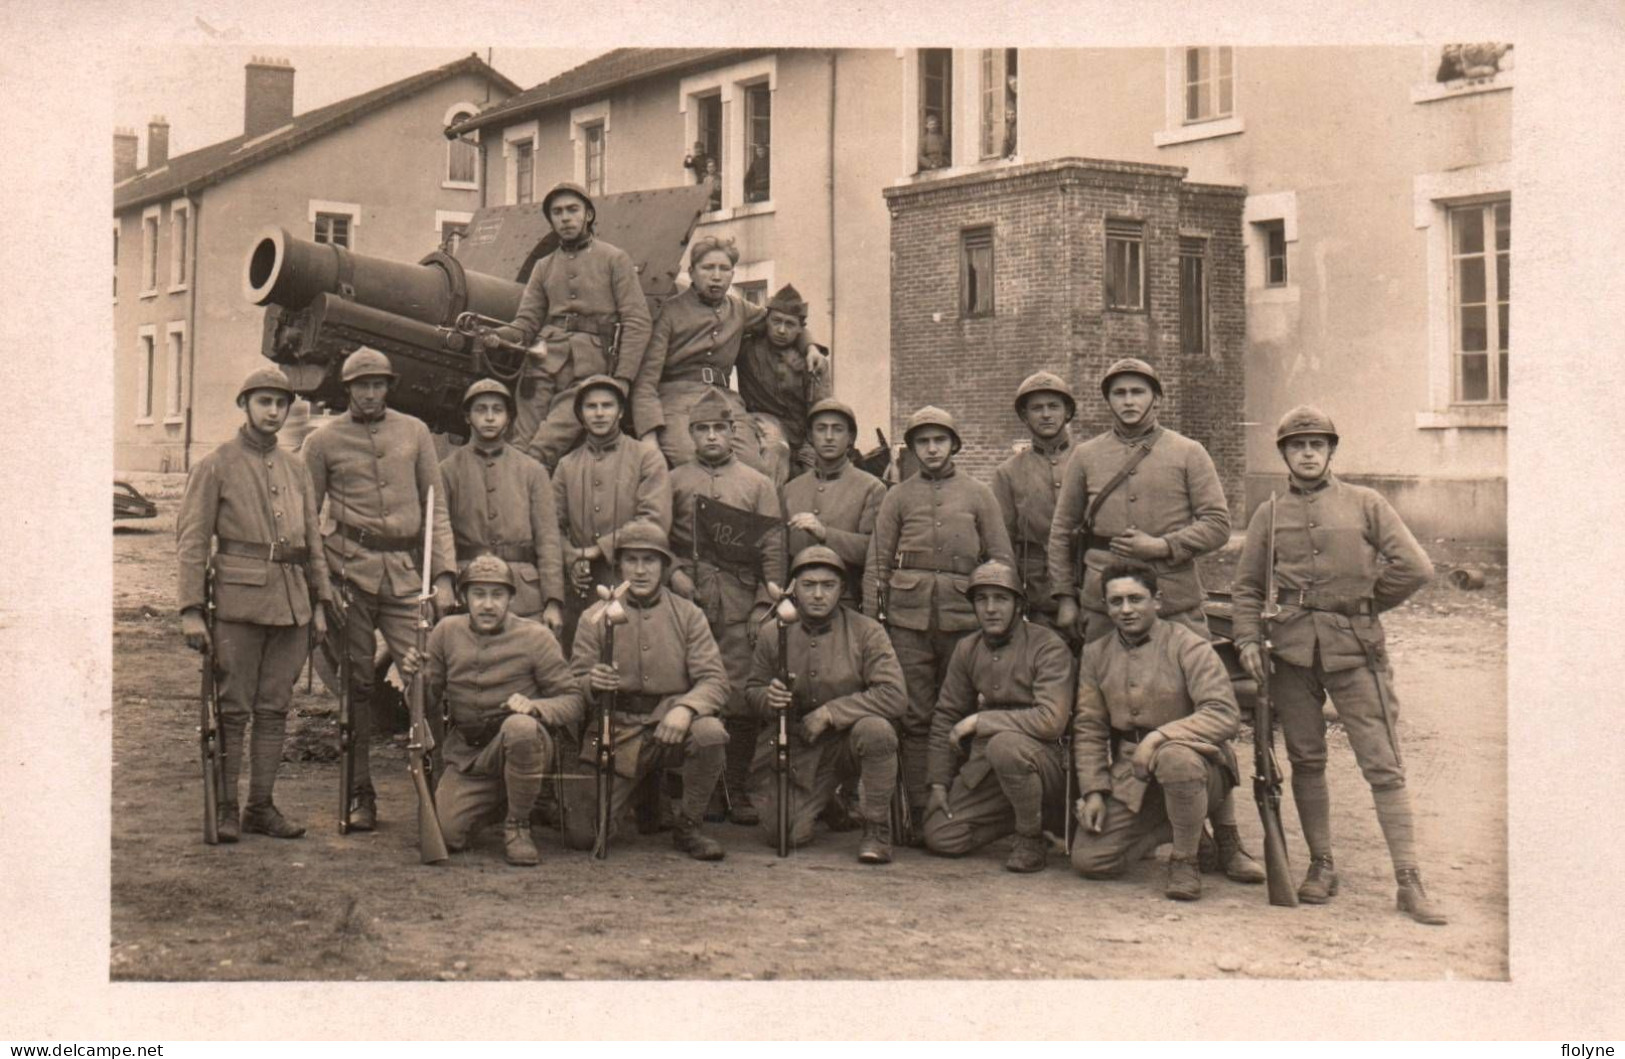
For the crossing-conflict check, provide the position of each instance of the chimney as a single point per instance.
(157, 142)
(125, 142)
(267, 96)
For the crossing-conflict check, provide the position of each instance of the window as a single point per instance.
(1272, 237)
(524, 171)
(976, 272)
(1481, 300)
(1192, 295)
(998, 102)
(149, 251)
(1125, 265)
(593, 140)
(758, 143)
(462, 155)
(146, 354)
(1209, 84)
(180, 217)
(450, 227)
(333, 228)
(708, 163)
(754, 292)
(936, 108)
(174, 374)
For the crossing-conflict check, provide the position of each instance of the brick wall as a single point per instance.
(1048, 223)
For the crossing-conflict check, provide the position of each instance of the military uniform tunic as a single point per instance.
(501, 501)
(778, 390)
(726, 597)
(1027, 486)
(847, 501)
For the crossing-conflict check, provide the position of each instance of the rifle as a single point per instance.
(420, 743)
(211, 744)
(604, 701)
(787, 616)
(346, 707)
(1266, 773)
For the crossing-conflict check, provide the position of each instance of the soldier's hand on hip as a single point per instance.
(815, 724)
(604, 677)
(778, 696)
(673, 727)
(553, 617)
(196, 630)
(410, 663)
(938, 802)
(1092, 811)
(1134, 544)
(1253, 661)
(1066, 615)
(318, 621)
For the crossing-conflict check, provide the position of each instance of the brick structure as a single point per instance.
(1048, 223)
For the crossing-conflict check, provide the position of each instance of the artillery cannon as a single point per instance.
(436, 319)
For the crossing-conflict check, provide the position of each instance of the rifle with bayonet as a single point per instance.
(420, 742)
(211, 744)
(787, 615)
(1266, 772)
(604, 703)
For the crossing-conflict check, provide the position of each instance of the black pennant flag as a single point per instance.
(730, 537)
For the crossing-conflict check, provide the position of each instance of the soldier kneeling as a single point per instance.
(508, 692)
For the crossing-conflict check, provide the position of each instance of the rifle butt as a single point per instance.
(431, 841)
(209, 752)
(1277, 868)
(782, 766)
(600, 850)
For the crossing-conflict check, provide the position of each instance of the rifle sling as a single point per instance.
(1141, 451)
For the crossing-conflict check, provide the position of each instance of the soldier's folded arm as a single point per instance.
(710, 691)
(194, 527)
(764, 668)
(633, 308)
(562, 703)
(883, 695)
(990, 520)
(315, 455)
(1247, 590)
(853, 547)
(316, 569)
(882, 545)
(527, 322)
(584, 654)
(545, 536)
(1209, 529)
(647, 412)
(1070, 504)
(1216, 717)
(1091, 735)
(1053, 685)
(956, 700)
(1408, 567)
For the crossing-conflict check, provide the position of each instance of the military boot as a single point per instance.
(1320, 885)
(1184, 881)
(876, 845)
(1029, 854)
(225, 822)
(916, 827)
(267, 820)
(743, 812)
(841, 814)
(518, 847)
(687, 836)
(1413, 899)
(1238, 864)
(363, 809)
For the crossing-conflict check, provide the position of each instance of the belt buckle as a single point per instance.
(708, 376)
(1303, 598)
(278, 553)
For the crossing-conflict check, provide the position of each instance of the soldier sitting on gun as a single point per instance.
(1150, 736)
(668, 686)
(1007, 691)
(848, 690)
(511, 698)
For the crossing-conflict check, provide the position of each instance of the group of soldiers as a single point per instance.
(960, 656)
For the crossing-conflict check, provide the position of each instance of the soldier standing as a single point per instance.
(734, 601)
(777, 386)
(1342, 557)
(1145, 493)
(1028, 483)
(668, 686)
(511, 698)
(256, 501)
(584, 302)
(848, 690)
(834, 504)
(501, 503)
(602, 485)
(374, 467)
(931, 532)
(1151, 736)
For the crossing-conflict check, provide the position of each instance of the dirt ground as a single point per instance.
(361, 907)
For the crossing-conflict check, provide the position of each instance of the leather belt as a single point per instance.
(581, 323)
(271, 553)
(705, 373)
(636, 703)
(1311, 600)
(1130, 735)
(1004, 706)
(512, 553)
(956, 564)
(377, 542)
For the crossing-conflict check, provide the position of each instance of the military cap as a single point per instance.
(789, 300)
(599, 382)
(486, 570)
(1130, 366)
(817, 555)
(265, 379)
(366, 361)
(643, 535)
(995, 574)
(489, 386)
(1046, 382)
(830, 404)
(932, 416)
(712, 407)
(567, 188)
(1305, 419)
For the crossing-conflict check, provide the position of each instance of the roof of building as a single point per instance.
(609, 70)
(195, 170)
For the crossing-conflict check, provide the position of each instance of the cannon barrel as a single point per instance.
(292, 273)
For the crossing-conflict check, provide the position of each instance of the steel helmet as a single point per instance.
(489, 386)
(567, 188)
(1046, 382)
(1130, 366)
(994, 574)
(1305, 419)
(265, 379)
(817, 555)
(932, 416)
(599, 382)
(830, 404)
(643, 535)
(366, 361)
(488, 570)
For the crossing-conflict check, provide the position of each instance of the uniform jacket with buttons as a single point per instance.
(725, 596)
(1172, 681)
(1174, 494)
(244, 491)
(503, 496)
(950, 517)
(1339, 543)
(1027, 485)
(775, 381)
(1029, 673)
(847, 501)
(375, 475)
(597, 278)
(845, 665)
(476, 672)
(600, 487)
(689, 337)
